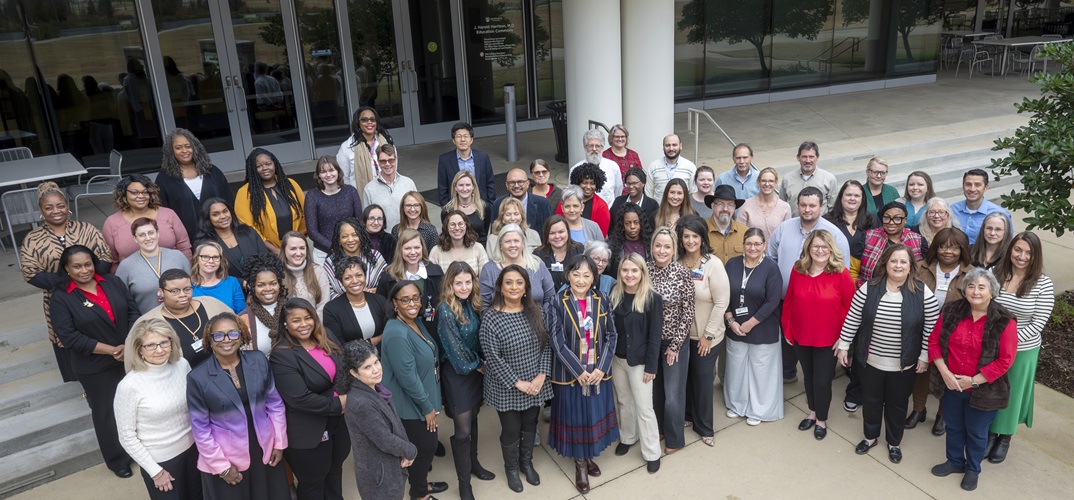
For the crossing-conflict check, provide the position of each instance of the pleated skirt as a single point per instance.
(1023, 376)
(582, 426)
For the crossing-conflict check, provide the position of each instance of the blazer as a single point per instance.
(307, 393)
(268, 230)
(175, 195)
(81, 327)
(218, 419)
(648, 206)
(567, 335)
(448, 165)
(430, 299)
(641, 333)
(537, 210)
(378, 437)
(339, 317)
(410, 370)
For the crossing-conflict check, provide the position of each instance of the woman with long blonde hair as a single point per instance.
(465, 199)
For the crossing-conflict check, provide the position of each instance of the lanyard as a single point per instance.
(746, 279)
(156, 270)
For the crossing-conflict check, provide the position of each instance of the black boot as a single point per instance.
(991, 444)
(525, 458)
(475, 467)
(460, 451)
(510, 466)
(999, 452)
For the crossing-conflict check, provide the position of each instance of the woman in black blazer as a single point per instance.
(183, 157)
(411, 263)
(355, 314)
(91, 314)
(305, 362)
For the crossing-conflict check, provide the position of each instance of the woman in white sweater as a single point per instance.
(151, 412)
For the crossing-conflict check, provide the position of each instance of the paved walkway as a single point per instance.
(773, 460)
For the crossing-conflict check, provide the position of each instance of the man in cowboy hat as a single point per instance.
(726, 235)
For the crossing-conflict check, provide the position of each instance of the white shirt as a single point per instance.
(613, 182)
(659, 173)
(195, 185)
(264, 342)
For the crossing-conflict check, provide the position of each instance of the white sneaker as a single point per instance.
(753, 421)
(732, 414)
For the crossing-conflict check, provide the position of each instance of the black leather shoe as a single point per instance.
(806, 424)
(969, 481)
(652, 466)
(440, 450)
(123, 473)
(916, 417)
(894, 454)
(946, 469)
(863, 447)
(938, 428)
(999, 452)
(622, 449)
(437, 487)
(820, 433)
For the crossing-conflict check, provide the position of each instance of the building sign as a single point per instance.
(495, 34)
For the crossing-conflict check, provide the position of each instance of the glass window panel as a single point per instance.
(373, 46)
(319, 35)
(23, 121)
(261, 43)
(737, 54)
(495, 55)
(690, 37)
(802, 42)
(916, 36)
(548, 40)
(858, 44)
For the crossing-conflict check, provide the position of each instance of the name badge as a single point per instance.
(556, 266)
(430, 313)
(697, 274)
(324, 437)
(196, 345)
(587, 324)
(742, 311)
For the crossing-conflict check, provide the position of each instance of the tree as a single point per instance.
(907, 15)
(753, 21)
(1042, 152)
(104, 8)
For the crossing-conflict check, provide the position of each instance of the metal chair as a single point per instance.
(12, 154)
(20, 207)
(98, 185)
(979, 58)
(1027, 63)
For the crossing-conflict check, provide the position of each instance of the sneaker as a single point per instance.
(753, 422)
(850, 407)
(732, 414)
(946, 469)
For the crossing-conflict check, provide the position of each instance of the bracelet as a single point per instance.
(226, 472)
(159, 474)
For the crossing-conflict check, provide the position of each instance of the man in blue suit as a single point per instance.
(463, 158)
(537, 208)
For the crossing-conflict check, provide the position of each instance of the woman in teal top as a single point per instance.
(463, 367)
(412, 373)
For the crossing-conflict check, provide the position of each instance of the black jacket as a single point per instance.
(639, 334)
(307, 392)
(339, 317)
(430, 299)
(175, 195)
(81, 327)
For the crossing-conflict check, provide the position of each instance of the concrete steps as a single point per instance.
(41, 464)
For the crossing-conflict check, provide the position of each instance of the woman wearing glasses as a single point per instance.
(541, 174)
(186, 315)
(208, 272)
(135, 196)
(880, 193)
(357, 155)
(892, 230)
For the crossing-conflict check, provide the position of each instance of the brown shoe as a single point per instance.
(581, 476)
(592, 468)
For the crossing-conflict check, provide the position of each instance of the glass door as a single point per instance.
(228, 68)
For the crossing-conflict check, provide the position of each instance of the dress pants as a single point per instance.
(699, 391)
(319, 471)
(753, 387)
(184, 469)
(818, 370)
(790, 359)
(853, 393)
(921, 390)
(100, 390)
(669, 396)
(425, 442)
(967, 430)
(886, 396)
(637, 419)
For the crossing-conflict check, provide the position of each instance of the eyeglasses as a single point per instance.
(893, 220)
(141, 192)
(177, 291)
(599, 260)
(457, 225)
(820, 248)
(936, 213)
(230, 334)
(210, 258)
(159, 346)
(539, 172)
(464, 136)
(375, 219)
(367, 120)
(388, 161)
(633, 183)
(878, 173)
(754, 244)
(408, 300)
(411, 205)
(147, 234)
(516, 183)
(724, 204)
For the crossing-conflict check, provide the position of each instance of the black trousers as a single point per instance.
(184, 469)
(319, 470)
(699, 392)
(514, 423)
(886, 397)
(790, 360)
(818, 370)
(853, 394)
(101, 393)
(425, 442)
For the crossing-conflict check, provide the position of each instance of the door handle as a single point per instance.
(402, 78)
(242, 92)
(414, 75)
(227, 93)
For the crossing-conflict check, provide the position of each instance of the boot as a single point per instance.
(581, 476)
(525, 459)
(460, 452)
(938, 428)
(510, 466)
(591, 467)
(999, 453)
(991, 444)
(475, 467)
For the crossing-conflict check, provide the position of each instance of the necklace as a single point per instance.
(234, 374)
(61, 237)
(359, 305)
(156, 270)
(181, 322)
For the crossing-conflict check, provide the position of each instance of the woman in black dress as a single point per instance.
(187, 176)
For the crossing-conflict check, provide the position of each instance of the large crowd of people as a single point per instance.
(238, 345)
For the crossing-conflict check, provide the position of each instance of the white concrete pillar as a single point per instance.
(649, 75)
(593, 67)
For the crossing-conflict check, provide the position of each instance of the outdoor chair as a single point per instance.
(20, 208)
(21, 153)
(979, 58)
(98, 185)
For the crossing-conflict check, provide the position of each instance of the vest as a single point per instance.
(988, 396)
(913, 323)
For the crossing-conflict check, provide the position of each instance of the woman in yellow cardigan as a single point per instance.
(269, 202)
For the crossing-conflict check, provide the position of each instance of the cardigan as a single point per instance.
(143, 281)
(151, 414)
(475, 256)
(761, 291)
(411, 370)
(459, 341)
(323, 210)
(956, 341)
(815, 307)
(339, 317)
(80, 326)
(639, 333)
(267, 229)
(752, 215)
(888, 194)
(170, 233)
(568, 337)
(711, 296)
(176, 195)
(426, 230)
(378, 437)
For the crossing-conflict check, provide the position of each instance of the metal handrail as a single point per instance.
(594, 124)
(693, 123)
(832, 55)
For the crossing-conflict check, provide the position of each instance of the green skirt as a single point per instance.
(1023, 375)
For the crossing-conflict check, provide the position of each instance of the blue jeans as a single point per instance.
(967, 430)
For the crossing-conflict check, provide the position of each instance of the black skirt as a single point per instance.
(461, 392)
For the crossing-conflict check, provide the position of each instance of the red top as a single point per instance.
(815, 307)
(625, 162)
(97, 298)
(965, 344)
(598, 214)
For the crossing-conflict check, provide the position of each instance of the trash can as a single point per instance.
(559, 127)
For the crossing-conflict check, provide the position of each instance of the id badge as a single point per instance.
(430, 313)
(196, 345)
(324, 437)
(587, 324)
(556, 266)
(742, 311)
(697, 274)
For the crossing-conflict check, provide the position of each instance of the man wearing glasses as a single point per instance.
(880, 193)
(388, 188)
(518, 186)
(468, 159)
(593, 140)
(726, 235)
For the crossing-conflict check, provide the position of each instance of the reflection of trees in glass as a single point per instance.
(316, 28)
(753, 20)
(907, 15)
(373, 34)
(511, 39)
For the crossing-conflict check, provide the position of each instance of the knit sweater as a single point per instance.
(323, 210)
(151, 414)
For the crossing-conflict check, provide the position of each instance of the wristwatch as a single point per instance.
(729, 320)
(974, 385)
(710, 338)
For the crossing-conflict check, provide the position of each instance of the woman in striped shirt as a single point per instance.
(888, 328)
(1028, 294)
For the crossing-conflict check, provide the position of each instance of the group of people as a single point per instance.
(232, 332)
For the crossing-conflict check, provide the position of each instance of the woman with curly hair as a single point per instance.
(264, 291)
(630, 234)
(135, 196)
(187, 176)
(269, 202)
(591, 179)
(238, 240)
(458, 243)
(357, 155)
(349, 239)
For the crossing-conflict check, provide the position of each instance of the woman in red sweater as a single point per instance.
(817, 300)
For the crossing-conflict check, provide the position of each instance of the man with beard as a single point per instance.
(593, 140)
(808, 175)
(671, 166)
(726, 235)
(518, 186)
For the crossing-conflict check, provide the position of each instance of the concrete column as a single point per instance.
(593, 66)
(649, 75)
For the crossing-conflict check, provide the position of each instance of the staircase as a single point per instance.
(47, 432)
